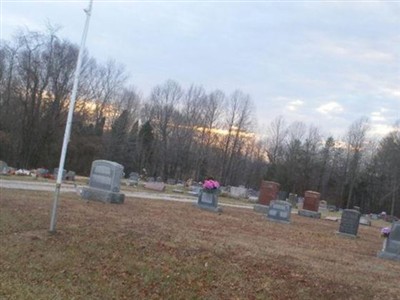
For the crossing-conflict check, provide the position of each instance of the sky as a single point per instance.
(324, 63)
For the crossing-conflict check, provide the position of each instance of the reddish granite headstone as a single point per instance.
(268, 191)
(311, 200)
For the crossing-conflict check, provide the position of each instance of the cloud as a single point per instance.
(330, 107)
(380, 129)
(378, 116)
(294, 105)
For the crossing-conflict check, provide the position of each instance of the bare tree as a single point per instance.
(355, 140)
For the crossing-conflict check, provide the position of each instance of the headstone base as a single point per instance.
(388, 255)
(261, 208)
(278, 221)
(89, 193)
(309, 213)
(347, 235)
(217, 209)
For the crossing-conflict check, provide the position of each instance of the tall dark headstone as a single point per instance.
(310, 205)
(268, 191)
(391, 249)
(105, 182)
(349, 222)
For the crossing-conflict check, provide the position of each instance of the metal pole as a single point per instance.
(67, 132)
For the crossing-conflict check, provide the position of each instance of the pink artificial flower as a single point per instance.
(211, 184)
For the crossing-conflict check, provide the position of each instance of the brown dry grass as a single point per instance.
(154, 249)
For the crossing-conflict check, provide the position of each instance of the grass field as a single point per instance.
(146, 249)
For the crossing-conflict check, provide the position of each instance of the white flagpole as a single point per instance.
(67, 132)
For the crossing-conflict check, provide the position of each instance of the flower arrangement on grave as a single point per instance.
(210, 185)
(385, 232)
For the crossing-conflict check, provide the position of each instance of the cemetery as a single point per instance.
(150, 249)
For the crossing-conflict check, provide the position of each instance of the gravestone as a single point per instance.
(310, 205)
(293, 199)
(323, 206)
(104, 182)
(159, 179)
(3, 167)
(238, 192)
(195, 190)
(282, 195)
(171, 181)
(133, 179)
(279, 211)
(268, 191)
(70, 176)
(364, 220)
(391, 249)
(349, 223)
(155, 186)
(208, 200)
(64, 173)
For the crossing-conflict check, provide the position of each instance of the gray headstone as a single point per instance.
(133, 178)
(3, 167)
(323, 205)
(282, 195)
(159, 179)
(293, 199)
(195, 190)
(171, 181)
(238, 192)
(279, 211)
(70, 176)
(64, 173)
(365, 221)
(106, 175)
(349, 222)
(105, 182)
(391, 249)
(209, 200)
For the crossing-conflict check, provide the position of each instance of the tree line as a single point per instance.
(177, 132)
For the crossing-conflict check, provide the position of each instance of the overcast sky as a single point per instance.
(325, 63)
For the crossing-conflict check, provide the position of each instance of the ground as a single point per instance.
(152, 249)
